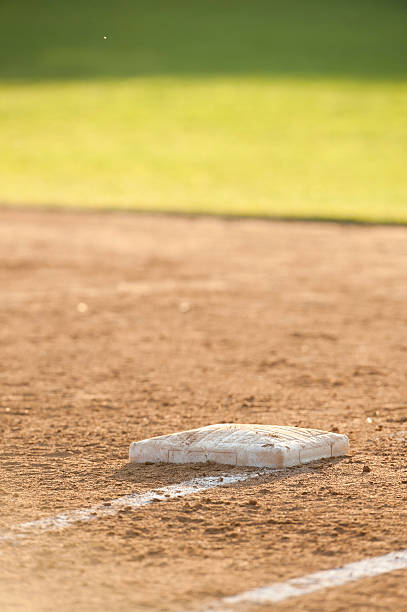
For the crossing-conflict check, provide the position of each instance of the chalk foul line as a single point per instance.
(280, 591)
(274, 593)
(133, 500)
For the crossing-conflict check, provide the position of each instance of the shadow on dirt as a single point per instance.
(165, 474)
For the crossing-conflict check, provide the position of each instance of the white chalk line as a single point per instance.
(133, 500)
(280, 591)
(274, 593)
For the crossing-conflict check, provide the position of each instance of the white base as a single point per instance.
(235, 444)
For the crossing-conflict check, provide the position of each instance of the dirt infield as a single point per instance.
(116, 327)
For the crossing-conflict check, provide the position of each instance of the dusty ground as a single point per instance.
(182, 323)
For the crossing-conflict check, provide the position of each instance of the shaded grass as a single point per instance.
(55, 39)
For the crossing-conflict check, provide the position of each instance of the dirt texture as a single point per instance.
(119, 327)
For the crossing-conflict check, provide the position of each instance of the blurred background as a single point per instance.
(281, 107)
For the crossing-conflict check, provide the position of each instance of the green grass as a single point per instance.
(274, 108)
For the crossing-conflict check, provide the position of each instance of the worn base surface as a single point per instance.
(239, 444)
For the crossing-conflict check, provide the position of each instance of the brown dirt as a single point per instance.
(191, 322)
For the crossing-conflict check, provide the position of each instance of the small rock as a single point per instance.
(184, 307)
(82, 307)
(366, 468)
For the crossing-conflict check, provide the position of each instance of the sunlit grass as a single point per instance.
(236, 145)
